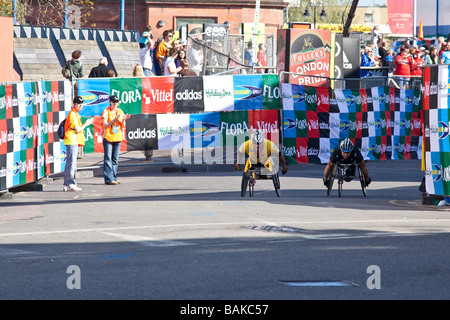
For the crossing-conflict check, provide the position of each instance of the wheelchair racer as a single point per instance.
(347, 153)
(259, 150)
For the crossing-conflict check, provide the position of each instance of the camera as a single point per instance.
(151, 36)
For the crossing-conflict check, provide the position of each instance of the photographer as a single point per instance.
(403, 66)
(145, 52)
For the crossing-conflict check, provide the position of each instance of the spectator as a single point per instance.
(144, 39)
(375, 37)
(366, 61)
(145, 54)
(75, 65)
(248, 56)
(441, 45)
(261, 57)
(195, 57)
(138, 71)
(163, 46)
(217, 58)
(181, 55)
(74, 137)
(445, 55)
(382, 50)
(177, 44)
(418, 64)
(434, 59)
(403, 65)
(388, 61)
(426, 57)
(185, 71)
(156, 67)
(170, 69)
(101, 70)
(110, 74)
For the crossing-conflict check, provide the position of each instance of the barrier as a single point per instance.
(227, 108)
(436, 104)
(30, 113)
(383, 122)
(205, 112)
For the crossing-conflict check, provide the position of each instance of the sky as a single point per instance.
(371, 2)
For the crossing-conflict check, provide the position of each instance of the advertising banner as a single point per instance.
(157, 95)
(382, 122)
(95, 93)
(189, 95)
(436, 123)
(310, 54)
(400, 16)
(29, 115)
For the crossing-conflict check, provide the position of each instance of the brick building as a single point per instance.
(175, 13)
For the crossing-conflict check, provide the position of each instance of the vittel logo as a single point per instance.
(189, 95)
(302, 152)
(142, 134)
(323, 100)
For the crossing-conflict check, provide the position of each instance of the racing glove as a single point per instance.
(326, 183)
(368, 181)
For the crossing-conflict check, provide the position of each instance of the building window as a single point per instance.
(368, 17)
(180, 21)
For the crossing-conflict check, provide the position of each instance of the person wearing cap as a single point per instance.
(416, 71)
(113, 120)
(74, 137)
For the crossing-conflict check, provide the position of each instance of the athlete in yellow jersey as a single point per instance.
(259, 150)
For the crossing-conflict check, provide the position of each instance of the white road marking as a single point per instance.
(300, 224)
(13, 252)
(146, 241)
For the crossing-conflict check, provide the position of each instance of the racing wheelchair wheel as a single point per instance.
(244, 184)
(276, 184)
(331, 177)
(362, 181)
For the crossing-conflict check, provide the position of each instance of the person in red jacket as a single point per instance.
(418, 64)
(403, 65)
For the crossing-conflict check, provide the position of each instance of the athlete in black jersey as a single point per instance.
(347, 153)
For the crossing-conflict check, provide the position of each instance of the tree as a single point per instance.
(336, 11)
(45, 12)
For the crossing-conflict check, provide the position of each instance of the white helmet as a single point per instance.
(257, 136)
(347, 145)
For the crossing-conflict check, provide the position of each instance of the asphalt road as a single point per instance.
(163, 234)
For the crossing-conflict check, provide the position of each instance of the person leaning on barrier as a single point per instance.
(346, 153)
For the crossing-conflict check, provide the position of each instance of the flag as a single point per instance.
(420, 35)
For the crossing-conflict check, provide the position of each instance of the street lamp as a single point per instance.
(315, 4)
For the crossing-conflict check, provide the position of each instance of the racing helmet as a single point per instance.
(346, 145)
(257, 136)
